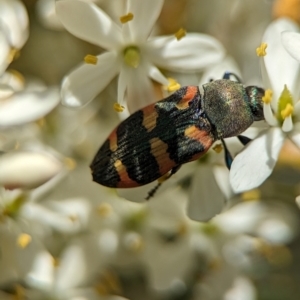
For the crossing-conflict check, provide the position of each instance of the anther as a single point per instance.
(289, 109)
(267, 98)
(173, 85)
(24, 240)
(126, 18)
(180, 34)
(118, 108)
(261, 50)
(91, 59)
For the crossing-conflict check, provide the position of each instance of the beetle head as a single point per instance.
(255, 95)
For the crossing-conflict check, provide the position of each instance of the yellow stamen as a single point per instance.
(41, 122)
(101, 289)
(209, 229)
(13, 54)
(173, 85)
(55, 262)
(108, 284)
(215, 264)
(20, 293)
(261, 50)
(73, 218)
(267, 98)
(24, 240)
(132, 56)
(182, 228)
(70, 163)
(126, 18)
(285, 104)
(218, 148)
(14, 206)
(104, 210)
(136, 244)
(91, 59)
(252, 195)
(180, 34)
(289, 109)
(118, 108)
(17, 75)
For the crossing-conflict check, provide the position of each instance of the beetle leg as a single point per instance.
(152, 192)
(228, 156)
(244, 140)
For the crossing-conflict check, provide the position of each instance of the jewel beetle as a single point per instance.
(159, 138)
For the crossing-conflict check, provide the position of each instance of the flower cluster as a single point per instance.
(209, 232)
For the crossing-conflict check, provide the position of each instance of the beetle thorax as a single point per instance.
(226, 105)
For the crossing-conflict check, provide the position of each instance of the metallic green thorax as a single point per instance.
(231, 107)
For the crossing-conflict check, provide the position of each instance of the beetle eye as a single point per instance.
(255, 95)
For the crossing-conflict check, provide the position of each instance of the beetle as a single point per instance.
(159, 138)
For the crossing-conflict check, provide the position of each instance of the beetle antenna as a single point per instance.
(228, 156)
(227, 75)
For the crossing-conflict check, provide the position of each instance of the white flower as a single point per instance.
(4, 52)
(18, 103)
(26, 169)
(62, 278)
(14, 22)
(131, 53)
(48, 17)
(23, 107)
(281, 75)
(13, 30)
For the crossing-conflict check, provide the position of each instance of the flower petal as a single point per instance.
(42, 273)
(156, 75)
(205, 197)
(4, 52)
(27, 169)
(72, 269)
(192, 53)
(145, 15)
(268, 114)
(46, 14)
(291, 43)
(255, 163)
(287, 124)
(281, 67)
(217, 71)
(84, 83)
(5, 91)
(295, 137)
(25, 107)
(88, 22)
(242, 289)
(14, 19)
(140, 92)
(66, 216)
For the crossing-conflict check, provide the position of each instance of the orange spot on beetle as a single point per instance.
(188, 97)
(150, 117)
(113, 141)
(125, 181)
(159, 151)
(201, 136)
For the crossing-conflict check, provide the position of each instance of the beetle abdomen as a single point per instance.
(153, 141)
